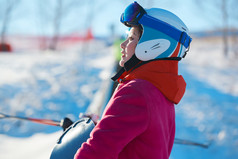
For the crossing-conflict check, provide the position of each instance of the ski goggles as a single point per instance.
(135, 15)
(132, 14)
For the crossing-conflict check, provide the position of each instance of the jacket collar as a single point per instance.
(162, 74)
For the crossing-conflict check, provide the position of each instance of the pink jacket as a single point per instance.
(138, 123)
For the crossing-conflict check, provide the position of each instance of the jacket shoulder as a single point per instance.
(139, 85)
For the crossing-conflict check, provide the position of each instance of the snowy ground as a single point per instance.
(48, 85)
(209, 111)
(53, 85)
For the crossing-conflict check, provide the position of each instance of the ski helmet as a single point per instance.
(164, 35)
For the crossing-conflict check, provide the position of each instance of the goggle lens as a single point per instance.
(132, 14)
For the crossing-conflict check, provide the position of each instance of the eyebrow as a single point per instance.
(129, 34)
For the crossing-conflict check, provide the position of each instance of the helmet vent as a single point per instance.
(156, 46)
(184, 29)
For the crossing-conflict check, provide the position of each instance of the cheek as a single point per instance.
(131, 49)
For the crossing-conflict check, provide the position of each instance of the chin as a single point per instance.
(121, 63)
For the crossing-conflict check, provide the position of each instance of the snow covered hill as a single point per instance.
(53, 85)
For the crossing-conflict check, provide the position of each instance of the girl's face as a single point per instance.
(129, 45)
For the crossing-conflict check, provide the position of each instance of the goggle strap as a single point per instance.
(181, 37)
(185, 39)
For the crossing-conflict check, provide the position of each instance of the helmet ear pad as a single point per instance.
(154, 44)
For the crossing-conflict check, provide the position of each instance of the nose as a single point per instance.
(123, 45)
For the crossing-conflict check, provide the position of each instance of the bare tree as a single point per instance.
(225, 26)
(6, 18)
(55, 13)
(234, 29)
(56, 25)
(224, 8)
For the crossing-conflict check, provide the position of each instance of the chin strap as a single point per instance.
(129, 65)
(134, 63)
(118, 74)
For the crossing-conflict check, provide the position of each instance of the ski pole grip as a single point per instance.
(65, 123)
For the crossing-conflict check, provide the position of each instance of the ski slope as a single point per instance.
(54, 85)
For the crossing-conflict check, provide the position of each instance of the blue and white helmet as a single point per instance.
(164, 36)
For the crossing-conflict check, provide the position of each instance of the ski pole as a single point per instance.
(192, 143)
(64, 123)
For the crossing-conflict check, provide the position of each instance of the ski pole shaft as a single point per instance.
(40, 121)
(66, 122)
(187, 142)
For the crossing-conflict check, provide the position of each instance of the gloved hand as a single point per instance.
(93, 117)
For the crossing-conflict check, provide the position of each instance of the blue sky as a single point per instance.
(28, 18)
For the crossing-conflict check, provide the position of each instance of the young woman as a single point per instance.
(139, 120)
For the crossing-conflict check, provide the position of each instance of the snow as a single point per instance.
(38, 146)
(47, 85)
(209, 63)
(54, 85)
(208, 113)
